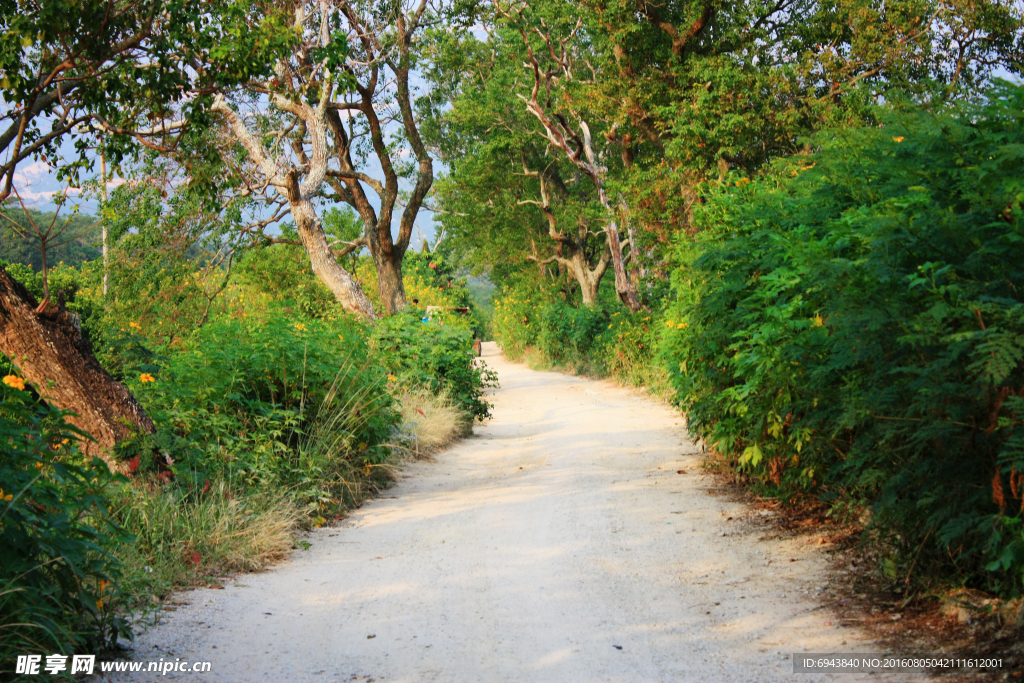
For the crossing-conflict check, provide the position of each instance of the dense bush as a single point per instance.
(604, 339)
(435, 354)
(56, 568)
(283, 271)
(516, 322)
(851, 324)
(255, 401)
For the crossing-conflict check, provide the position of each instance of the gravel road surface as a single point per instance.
(574, 537)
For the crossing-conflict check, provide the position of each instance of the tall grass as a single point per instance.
(185, 538)
(335, 469)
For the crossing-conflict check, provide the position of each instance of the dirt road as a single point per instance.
(559, 543)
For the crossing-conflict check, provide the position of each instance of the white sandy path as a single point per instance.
(560, 530)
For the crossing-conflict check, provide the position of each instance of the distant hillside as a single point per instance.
(16, 249)
(482, 291)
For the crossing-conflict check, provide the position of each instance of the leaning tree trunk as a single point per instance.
(325, 265)
(52, 354)
(624, 285)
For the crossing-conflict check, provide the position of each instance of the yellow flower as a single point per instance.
(898, 139)
(610, 326)
(392, 378)
(680, 326)
(5, 497)
(300, 327)
(146, 377)
(135, 325)
(15, 382)
(818, 320)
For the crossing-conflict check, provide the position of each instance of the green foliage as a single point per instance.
(282, 272)
(81, 231)
(65, 282)
(127, 63)
(56, 567)
(436, 355)
(516, 320)
(851, 325)
(603, 340)
(170, 259)
(239, 400)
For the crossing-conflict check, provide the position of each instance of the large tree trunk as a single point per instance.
(588, 289)
(389, 281)
(51, 353)
(325, 266)
(588, 278)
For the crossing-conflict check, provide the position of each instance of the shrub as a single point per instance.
(435, 355)
(57, 574)
(246, 401)
(516, 321)
(851, 325)
(604, 339)
(283, 272)
(569, 335)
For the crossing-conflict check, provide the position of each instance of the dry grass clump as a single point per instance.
(430, 421)
(251, 539)
(182, 540)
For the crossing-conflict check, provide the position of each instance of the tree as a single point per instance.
(107, 65)
(112, 63)
(16, 249)
(284, 178)
(386, 48)
(553, 65)
(340, 103)
(573, 250)
(509, 198)
(46, 236)
(499, 219)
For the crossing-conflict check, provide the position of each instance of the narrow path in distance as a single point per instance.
(559, 543)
